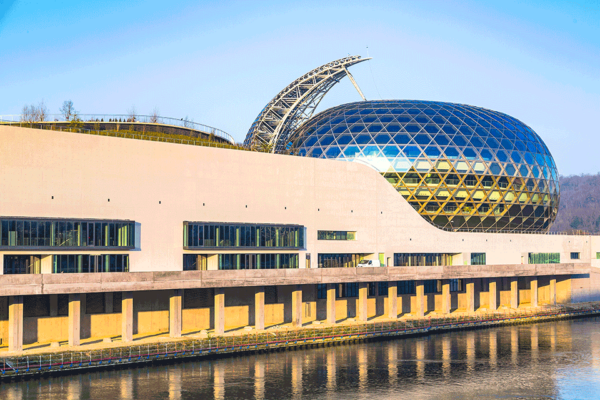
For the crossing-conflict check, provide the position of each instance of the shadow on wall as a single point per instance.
(585, 287)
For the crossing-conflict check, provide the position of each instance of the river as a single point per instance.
(549, 360)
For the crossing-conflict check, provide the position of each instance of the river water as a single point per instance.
(550, 360)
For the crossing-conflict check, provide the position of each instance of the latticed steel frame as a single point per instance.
(463, 168)
(296, 104)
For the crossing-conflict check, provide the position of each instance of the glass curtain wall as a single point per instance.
(422, 259)
(478, 259)
(203, 235)
(66, 233)
(544, 258)
(85, 263)
(336, 235)
(258, 261)
(339, 260)
(19, 264)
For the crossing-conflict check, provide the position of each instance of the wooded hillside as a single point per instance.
(579, 204)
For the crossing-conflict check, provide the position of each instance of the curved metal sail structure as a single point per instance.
(297, 103)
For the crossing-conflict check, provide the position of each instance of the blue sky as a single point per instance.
(221, 62)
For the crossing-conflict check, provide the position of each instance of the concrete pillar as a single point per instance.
(363, 292)
(420, 290)
(219, 311)
(297, 307)
(74, 319)
(446, 300)
(514, 293)
(393, 300)
(127, 317)
(534, 292)
(15, 323)
(331, 303)
(108, 303)
(53, 305)
(493, 302)
(175, 307)
(259, 308)
(470, 296)
(553, 291)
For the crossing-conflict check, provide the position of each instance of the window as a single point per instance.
(597, 255)
(382, 288)
(36, 233)
(432, 286)
(456, 285)
(478, 259)
(339, 260)
(347, 290)
(422, 259)
(21, 264)
(85, 263)
(336, 235)
(406, 287)
(575, 256)
(243, 261)
(321, 291)
(544, 258)
(372, 289)
(207, 235)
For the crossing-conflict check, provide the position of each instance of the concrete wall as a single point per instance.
(159, 185)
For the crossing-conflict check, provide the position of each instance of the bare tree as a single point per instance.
(67, 110)
(154, 116)
(188, 123)
(28, 113)
(131, 114)
(41, 111)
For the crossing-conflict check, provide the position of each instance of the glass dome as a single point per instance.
(463, 168)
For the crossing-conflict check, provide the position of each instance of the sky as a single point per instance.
(220, 62)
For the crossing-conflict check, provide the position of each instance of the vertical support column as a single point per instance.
(470, 296)
(420, 290)
(53, 305)
(331, 303)
(493, 302)
(553, 291)
(219, 311)
(127, 317)
(15, 323)
(297, 307)
(393, 300)
(175, 311)
(74, 319)
(514, 293)
(259, 308)
(363, 292)
(446, 296)
(534, 292)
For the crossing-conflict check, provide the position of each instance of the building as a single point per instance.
(106, 236)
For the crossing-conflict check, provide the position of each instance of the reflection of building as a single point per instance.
(121, 237)
(461, 167)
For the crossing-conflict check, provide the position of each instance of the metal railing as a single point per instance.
(277, 339)
(124, 119)
(128, 135)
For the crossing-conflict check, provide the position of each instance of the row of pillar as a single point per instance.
(15, 311)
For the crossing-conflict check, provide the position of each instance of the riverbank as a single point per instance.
(168, 350)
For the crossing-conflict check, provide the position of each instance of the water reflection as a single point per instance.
(554, 360)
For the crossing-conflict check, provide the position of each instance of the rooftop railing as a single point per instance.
(120, 118)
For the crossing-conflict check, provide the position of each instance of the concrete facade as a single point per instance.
(47, 174)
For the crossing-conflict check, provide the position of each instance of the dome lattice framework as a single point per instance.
(463, 168)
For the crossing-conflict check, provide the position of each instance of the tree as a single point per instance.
(76, 122)
(28, 113)
(41, 111)
(576, 223)
(131, 114)
(67, 110)
(154, 116)
(188, 123)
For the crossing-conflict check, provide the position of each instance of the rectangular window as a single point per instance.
(432, 286)
(422, 259)
(478, 259)
(382, 288)
(544, 258)
(22, 264)
(64, 233)
(336, 235)
(372, 289)
(192, 262)
(85, 263)
(339, 260)
(598, 255)
(321, 291)
(575, 256)
(209, 235)
(406, 287)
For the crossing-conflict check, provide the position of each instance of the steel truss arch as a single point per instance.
(295, 104)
